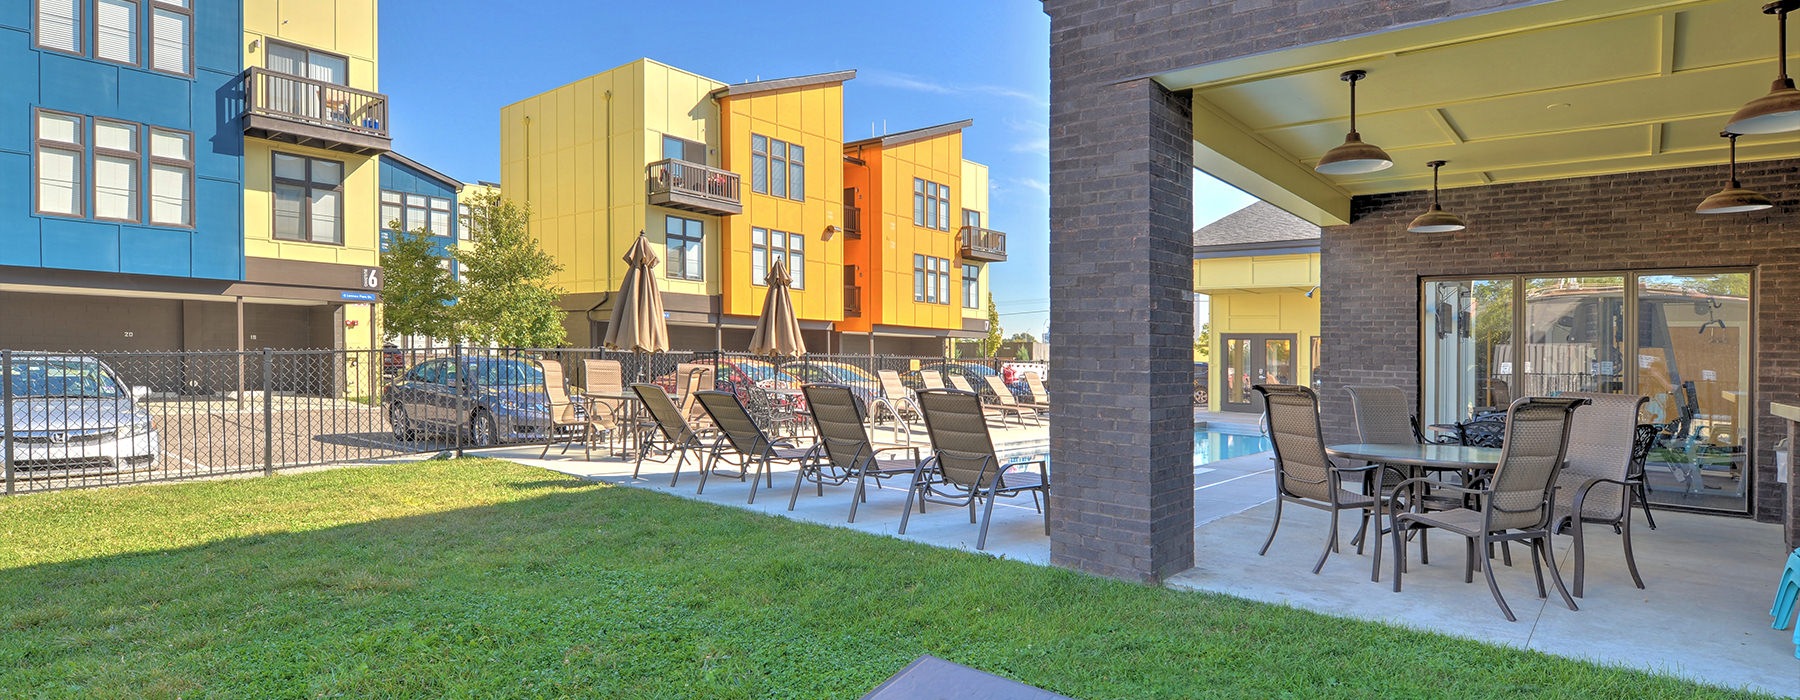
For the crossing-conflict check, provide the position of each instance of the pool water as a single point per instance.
(1212, 445)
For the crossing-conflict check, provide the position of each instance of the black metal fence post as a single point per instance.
(6, 414)
(268, 362)
(456, 361)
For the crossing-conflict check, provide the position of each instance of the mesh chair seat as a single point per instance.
(967, 467)
(749, 444)
(845, 451)
(1306, 476)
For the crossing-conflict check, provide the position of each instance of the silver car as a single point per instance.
(72, 415)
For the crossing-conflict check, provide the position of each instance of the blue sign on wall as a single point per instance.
(357, 296)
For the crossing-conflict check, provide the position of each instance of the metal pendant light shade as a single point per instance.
(1353, 157)
(1734, 199)
(1435, 219)
(1779, 110)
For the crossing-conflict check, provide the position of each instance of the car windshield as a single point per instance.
(506, 373)
(761, 373)
(61, 378)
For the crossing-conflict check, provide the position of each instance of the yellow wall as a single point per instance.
(974, 197)
(346, 27)
(1260, 295)
(361, 183)
(465, 195)
(813, 118)
(937, 160)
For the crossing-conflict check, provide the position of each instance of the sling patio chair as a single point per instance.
(1516, 502)
(932, 378)
(1040, 396)
(1306, 476)
(1647, 434)
(1384, 415)
(693, 378)
(1594, 485)
(1004, 399)
(895, 398)
(749, 444)
(569, 419)
(967, 469)
(848, 454)
(988, 408)
(666, 430)
(604, 378)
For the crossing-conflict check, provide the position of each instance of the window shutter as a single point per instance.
(169, 41)
(115, 32)
(59, 24)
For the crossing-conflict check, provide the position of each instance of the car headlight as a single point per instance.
(134, 430)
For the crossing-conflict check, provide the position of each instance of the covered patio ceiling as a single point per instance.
(1553, 90)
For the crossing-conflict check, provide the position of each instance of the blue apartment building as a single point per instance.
(418, 197)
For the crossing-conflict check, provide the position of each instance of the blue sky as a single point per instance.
(449, 65)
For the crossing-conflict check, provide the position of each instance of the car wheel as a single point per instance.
(482, 430)
(403, 427)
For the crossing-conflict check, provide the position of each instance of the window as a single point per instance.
(115, 170)
(60, 152)
(682, 149)
(768, 245)
(686, 238)
(971, 218)
(918, 277)
(971, 286)
(115, 30)
(466, 217)
(309, 199)
(943, 281)
(931, 279)
(171, 178)
(302, 62)
(59, 25)
(439, 216)
(777, 168)
(170, 36)
(931, 204)
(415, 211)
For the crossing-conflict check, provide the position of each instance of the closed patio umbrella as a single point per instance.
(778, 330)
(637, 322)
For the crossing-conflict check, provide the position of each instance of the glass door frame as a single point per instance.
(1257, 357)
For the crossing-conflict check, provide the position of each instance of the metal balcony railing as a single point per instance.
(983, 244)
(679, 184)
(852, 221)
(314, 112)
(852, 301)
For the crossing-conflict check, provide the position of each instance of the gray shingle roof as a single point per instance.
(1261, 222)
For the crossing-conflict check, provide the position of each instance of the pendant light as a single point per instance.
(1779, 110)
(1733, 199)
(1353, 157)
(1435, 219)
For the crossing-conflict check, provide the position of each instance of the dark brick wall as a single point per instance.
(1636, 221)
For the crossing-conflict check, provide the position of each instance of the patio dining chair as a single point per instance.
(748, 443)
(666, 430)
(1306, 476)
(967, 469)
(1640, 455)
(601, 378)
(1384, 416)
(1515, 503)
(1594, 485)
(569, 420)
(847, 451)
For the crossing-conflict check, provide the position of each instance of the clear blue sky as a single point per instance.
(449, 65)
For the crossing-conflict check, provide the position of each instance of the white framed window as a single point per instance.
(767, 246)
(171, 178)
(309, 199)
(115, 170)
(931, 204)
(61, 152)
(777, 168)
(116, 30)
(414, 212)
(438, 218)
(391, 210)
(686, 248)
(59, 25)
(171, 36)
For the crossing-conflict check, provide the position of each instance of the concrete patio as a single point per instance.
(1703, 616)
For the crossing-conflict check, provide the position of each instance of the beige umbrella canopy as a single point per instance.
(778, 330)
(637, 322)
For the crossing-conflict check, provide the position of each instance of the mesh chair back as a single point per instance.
(556, 393)
(959, 437)
(729, 415)
(932, 379)
(693, 379)
(1038, 393)
(1601, 437)
(602, 377)
(1002, 395)
(663, 411)
(1537, 439)
(839, 419)
(1383, 415)
(892, 388)
(1300, 461)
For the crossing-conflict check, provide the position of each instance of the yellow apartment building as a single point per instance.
(917, 253)
(1260, 268)
(314, 125)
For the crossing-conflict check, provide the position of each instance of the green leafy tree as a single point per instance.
(990, 346)
(1022, 337)
(417, 291)
(507, 297)
(1203, 342)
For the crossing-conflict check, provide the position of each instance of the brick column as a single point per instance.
(1121, 312)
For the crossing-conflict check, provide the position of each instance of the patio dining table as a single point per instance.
(1459, 458)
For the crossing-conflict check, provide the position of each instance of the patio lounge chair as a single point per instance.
(967, 468)
(1594, 485)
(1516, 501)
(1305, 476)
(1004, 399)
(1040, 397)
(847, 452)
(677, 435)
(961, 383)
(569, 420)
(932, 378)
(896, 399)
(693, 379)
(748, 443)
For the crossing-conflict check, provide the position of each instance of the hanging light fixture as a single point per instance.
(1353, 157)
(1435, 219)
(1734, 199)
(1779, 110)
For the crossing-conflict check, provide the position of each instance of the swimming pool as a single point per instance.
(1213, 444)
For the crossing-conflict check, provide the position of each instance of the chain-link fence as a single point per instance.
(75, 419)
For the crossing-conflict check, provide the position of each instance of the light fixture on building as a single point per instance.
(1779, 110)
(1435, 219)
(1353, 157)
(1734, 199)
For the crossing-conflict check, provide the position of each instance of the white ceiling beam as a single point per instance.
(1224, 149)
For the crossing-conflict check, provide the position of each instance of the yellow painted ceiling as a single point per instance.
(1560, 89)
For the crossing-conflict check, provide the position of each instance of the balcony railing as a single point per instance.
(678, 184)
(852, 301)
(852, 221)
(308, 112)
(983, 244)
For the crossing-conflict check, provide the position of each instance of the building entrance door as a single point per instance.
(1252, 359)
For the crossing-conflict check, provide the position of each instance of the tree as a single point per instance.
(1022, 337)
(1203, 342)
(507, 297)
(418, 290)
(990, 346)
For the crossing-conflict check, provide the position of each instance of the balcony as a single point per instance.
(983, 244)
(678, 184)
(307, 112)
(852, 221)
(852, 301)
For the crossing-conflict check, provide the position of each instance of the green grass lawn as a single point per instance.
(479, 578)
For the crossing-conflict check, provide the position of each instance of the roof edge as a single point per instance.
(919, 134)
(454, 183)
(799, 81)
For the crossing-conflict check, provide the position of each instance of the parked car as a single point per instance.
(865, 386)
(486, 400)
(72, 412)
(393, 360)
